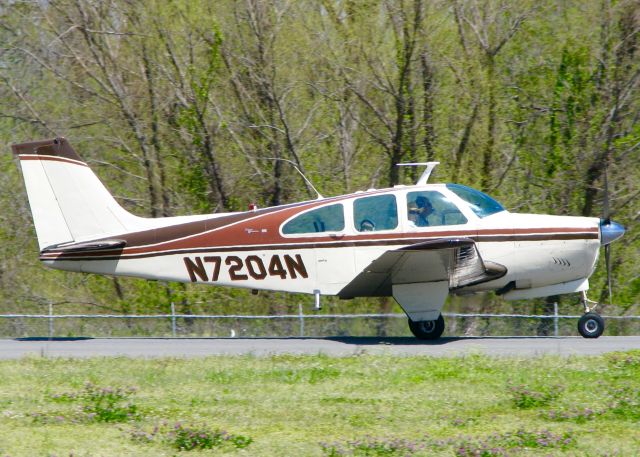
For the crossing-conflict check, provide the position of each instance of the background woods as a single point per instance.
(181, 107)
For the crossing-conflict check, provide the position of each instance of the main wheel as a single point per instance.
(427, 330)
(591, 325)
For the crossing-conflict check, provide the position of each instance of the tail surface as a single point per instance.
(68, 201)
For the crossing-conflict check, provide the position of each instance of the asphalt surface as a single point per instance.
(338, 346)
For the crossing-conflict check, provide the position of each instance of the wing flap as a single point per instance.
(456, 261)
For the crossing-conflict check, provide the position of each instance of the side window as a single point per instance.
(371, 214)
(430, 208)
(326, 219)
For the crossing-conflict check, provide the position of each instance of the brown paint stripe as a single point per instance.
(221, 231)
(538, 237)
(185, 233)
(341, 244)
(237, 236)
(240, 228)
(262, 228)
(51, 159)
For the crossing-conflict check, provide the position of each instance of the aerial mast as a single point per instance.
(425, 174)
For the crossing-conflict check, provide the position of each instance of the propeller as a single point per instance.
(607, 260)
(609, 230)
(606, 220)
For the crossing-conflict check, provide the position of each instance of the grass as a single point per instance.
(321, 406)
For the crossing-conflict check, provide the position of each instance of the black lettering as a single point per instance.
(296, 266)
(215, 274)
(196, 268)
(235, 268)
(276, 268)
(255, 261)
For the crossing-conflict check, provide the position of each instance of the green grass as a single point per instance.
(321, 406)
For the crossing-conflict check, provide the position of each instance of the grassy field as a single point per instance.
(321, 406)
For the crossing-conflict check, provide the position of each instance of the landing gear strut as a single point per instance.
(427, 330)
(590, 325)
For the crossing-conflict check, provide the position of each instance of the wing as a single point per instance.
(454, 260)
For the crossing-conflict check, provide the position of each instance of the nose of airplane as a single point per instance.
(610, 231)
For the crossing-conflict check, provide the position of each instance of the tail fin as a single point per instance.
(68, 201)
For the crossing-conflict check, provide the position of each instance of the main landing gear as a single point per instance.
(590, 325)
(427, 330)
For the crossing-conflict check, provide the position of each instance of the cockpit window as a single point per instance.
(326, 219)
(371, 214)
(430, 208)
(480, 203)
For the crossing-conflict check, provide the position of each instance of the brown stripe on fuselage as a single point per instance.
(108, 255)
(260, 229)
(538, 237)
(261, 226)
(192, 233)
(227, 230)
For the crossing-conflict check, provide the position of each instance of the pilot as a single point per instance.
(367, 226)
(425, 209)
(412, 213)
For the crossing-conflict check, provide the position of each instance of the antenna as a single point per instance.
(320, 197)
(425, 174)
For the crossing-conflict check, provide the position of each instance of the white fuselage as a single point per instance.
(537, 250)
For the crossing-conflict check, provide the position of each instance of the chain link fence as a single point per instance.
(292, 325)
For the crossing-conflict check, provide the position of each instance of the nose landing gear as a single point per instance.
(591, 324)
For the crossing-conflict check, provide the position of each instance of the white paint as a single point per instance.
(51, 227)
(421, 301)
(555, 289)
(69, 203)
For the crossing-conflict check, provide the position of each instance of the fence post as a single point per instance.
(50, 320)
(301, 319)
(173, 319)
(555, 318)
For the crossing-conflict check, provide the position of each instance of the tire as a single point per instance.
(427, 330)
(591, 325)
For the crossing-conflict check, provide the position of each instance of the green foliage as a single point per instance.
(104, 404)
(178, 105)
(625, 361)
(96, 404)
(375, 447)
(193, 182)
(578, 415)
(240, 405)
(525, 396)
(189, 438)
(571, 99)
(625, 402)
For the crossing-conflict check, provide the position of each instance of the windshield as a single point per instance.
(480, 203)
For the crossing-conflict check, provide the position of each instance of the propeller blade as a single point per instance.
(607, 259)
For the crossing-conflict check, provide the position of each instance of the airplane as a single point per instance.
(416, 243)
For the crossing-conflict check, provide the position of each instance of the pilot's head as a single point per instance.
(367, 226)
(424, 205)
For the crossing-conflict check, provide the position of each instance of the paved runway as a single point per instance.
(337, 346)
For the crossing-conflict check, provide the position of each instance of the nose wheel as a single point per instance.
(591, 324)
